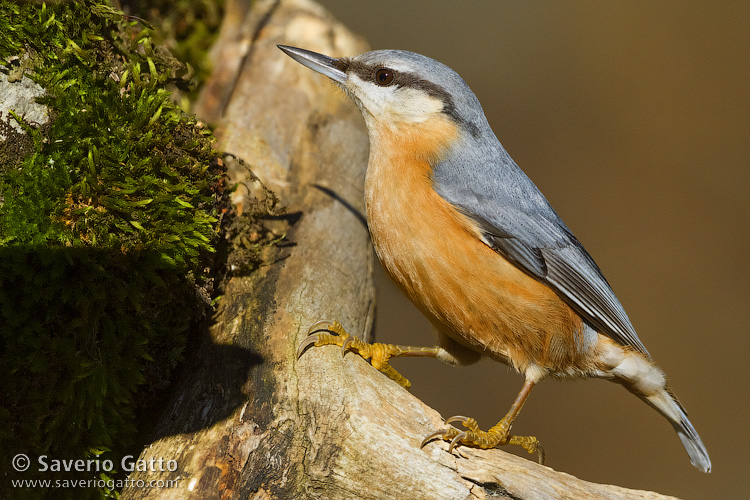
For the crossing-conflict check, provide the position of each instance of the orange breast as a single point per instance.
(434, 254)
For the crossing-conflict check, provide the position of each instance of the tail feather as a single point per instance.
(644, 379)
(666, 404)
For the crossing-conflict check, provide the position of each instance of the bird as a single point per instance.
(478, 249)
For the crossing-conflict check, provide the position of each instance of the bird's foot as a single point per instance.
(475, 437)
(327, 332)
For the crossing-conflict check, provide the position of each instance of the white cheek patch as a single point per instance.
(414, 105)
(394, 103)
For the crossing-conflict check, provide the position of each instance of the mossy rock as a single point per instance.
(110, 206)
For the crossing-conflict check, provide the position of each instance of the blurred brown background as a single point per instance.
(634, 119)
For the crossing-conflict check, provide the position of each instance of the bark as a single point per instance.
(252, 421)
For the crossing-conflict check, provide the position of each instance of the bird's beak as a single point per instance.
(316, 62)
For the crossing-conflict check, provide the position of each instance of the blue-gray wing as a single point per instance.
(518, 222)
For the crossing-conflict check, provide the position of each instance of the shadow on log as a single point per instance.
(250, 421)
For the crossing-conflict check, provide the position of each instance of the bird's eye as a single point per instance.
(384, 77)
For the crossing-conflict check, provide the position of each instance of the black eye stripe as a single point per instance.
(400, 78)
(368, 72)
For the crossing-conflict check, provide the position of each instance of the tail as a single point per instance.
(644, 379)
(665, 403)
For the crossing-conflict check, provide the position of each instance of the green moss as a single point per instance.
(109, 216)
(122, 167)
(187, 28)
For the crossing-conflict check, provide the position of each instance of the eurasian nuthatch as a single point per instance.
(474, 244)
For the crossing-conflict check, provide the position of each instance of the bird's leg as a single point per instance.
(497, 435)
(332, 333)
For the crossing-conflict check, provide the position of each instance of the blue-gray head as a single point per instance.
(399, 86)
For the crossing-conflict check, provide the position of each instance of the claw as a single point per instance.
(319, 326)
(456, 440)
(432, 436)
(540, 453)
(346, 344)
(457, 418)
(310, 340)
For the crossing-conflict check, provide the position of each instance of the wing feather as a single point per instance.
(570, 270)
(517, 221)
